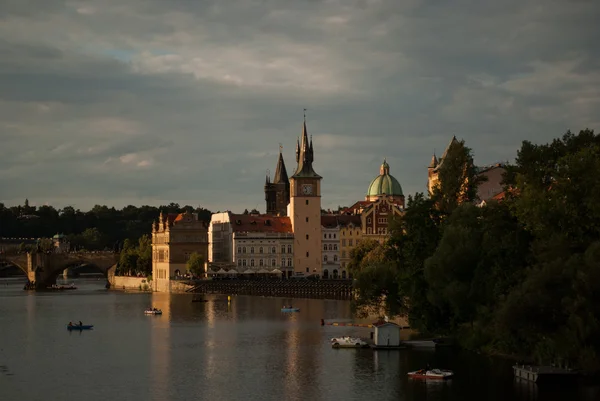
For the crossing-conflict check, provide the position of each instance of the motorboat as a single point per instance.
(431, 374)
(80, 327)
(153, 311)
(290, 309)
(348, 342)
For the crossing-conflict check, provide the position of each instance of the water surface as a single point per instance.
(243, 350)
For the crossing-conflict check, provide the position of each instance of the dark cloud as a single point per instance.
(147, 101)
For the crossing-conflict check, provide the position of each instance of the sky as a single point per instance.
(138, 102)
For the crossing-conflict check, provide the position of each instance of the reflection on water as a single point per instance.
(243, 350)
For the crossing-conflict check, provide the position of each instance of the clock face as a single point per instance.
(307, 189)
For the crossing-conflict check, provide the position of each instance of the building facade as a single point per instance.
(174, 238)
(305, 210)
(351, 234)
(330, 229)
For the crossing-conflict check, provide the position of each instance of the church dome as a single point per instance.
(384, 184)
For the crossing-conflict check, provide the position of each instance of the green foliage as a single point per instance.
(520, 277)
(196, 264)
(101, 228)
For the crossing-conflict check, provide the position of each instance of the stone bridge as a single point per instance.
(43, 268)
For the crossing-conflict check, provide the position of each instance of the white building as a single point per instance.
(330, 229)
(252, 243)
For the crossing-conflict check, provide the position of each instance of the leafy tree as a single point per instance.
(196, 264)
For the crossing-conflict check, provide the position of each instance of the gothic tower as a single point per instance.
(305, 209)
(277, 193)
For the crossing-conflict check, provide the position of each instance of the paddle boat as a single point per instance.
(290, 309)
(153, 311)
(431, 374)
(348, 342)
(80, 327)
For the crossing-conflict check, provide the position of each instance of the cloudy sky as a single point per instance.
(151, 101)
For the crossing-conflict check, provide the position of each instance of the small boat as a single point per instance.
(153, 311)
(432, 374)
(290, 309)
(82, 327)
(348, 342)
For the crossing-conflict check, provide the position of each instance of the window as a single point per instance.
(335, 247)
(239, 249)
(325, 258)
(282, 262)
(261, 263)
(335, 259)
(324, 247)
(307, 267)
(289, 262)
(244, 250)
(369, 220)
(307, 201)
(343, 254)
(369, 230)
(343, 242)
(273, 262)
(260, 250)
(350, 233)
(334, 236)
(252, 262)
(273, 250)
(330, 247)
(289, 249)
(306, 236)
(282, 248)
(251, 249)
(349, 242)
(307, 219)
(239, 262)
(324, 236)
(243, 262)
(307, 254)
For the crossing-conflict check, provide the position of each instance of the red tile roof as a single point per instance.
(260, 223)
(339, 220)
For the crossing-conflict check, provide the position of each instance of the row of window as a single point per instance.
(325, 258)
(264, 262)
(243, 249)
(330, 247)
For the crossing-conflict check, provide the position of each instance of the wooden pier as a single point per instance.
(318, 289)
(539, 374)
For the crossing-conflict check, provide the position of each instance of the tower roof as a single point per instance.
(305, 157)
(281, 175)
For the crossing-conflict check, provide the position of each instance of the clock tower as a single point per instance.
(305, 209)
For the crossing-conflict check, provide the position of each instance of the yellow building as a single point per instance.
(350, 236)
(174, 238)
(305, 210)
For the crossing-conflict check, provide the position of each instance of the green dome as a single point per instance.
(384, 183)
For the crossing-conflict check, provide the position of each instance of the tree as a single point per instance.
(196, 264)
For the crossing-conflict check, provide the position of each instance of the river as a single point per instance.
(243, 350)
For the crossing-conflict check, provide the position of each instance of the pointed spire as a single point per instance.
(281, 175)
(305, 154)
(434, 161)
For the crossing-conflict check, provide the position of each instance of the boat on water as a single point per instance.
(290, 309)
(431, 374)
(153, 311)
(55, 287)
(348, 342)
(80, 327)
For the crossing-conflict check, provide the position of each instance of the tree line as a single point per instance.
(520, 276)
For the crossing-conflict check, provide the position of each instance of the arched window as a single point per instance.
(260, 250)
(251, 249)
(261, 263)
(273, 250)
(289, 249)
(243, 262)
(282, 248)
(324, 247)
(335, 259)
(239, 249)
(330, 247)
(335, 247)
(325, 258)
(282, 262)
(252, 262)
(273, 262)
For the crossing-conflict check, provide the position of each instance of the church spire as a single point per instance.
(434, 161)
(281, 175)
(305, 155)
